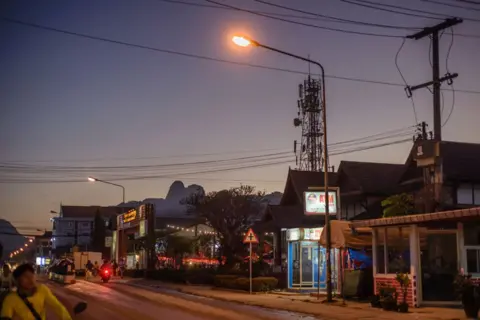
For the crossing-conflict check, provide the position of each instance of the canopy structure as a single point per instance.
(343, 236)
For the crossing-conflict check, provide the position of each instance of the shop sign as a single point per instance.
(293, 234)
(129, 219)
(143, 228)
(312, 233)
(315, 202)
(108, 242)
(129, 216)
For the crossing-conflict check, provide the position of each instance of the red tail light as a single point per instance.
(106, 271)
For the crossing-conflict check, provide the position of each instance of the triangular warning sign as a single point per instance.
(250, 237)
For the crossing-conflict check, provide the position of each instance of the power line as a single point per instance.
(316, 16)
(361, 4)
(404, 80)
(452, 5)
(201, 57)
(439, 16)
(305, 24)
(9, 167)
(251, 166)
(355, 22)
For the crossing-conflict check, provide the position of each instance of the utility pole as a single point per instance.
(436, 80)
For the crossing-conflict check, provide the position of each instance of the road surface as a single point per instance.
(120, 301)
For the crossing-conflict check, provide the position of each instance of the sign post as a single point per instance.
(250, 238)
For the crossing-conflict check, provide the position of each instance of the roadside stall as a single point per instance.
(354, 255)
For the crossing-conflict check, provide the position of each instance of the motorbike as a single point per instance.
(105, 275)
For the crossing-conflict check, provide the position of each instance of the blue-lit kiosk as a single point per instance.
(306, 260)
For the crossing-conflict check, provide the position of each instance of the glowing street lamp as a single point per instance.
(26, 245)
(245, 42)
(92, 179)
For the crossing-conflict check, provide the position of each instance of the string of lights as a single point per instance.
(21, 249)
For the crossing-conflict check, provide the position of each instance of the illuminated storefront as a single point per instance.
(303, 261)
(132, 225)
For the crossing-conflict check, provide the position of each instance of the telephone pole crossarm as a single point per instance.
(429, 30)
(427, 84)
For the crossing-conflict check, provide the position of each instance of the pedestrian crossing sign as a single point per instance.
(250, 237)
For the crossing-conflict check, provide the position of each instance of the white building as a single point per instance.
(74, 225)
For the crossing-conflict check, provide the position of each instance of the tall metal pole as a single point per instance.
(437, 107)
(325, 167)
(250, 267)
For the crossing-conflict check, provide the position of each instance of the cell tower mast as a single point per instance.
(309, 154)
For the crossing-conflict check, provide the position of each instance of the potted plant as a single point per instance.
(404, 281)
(388, 298)
(469, 294)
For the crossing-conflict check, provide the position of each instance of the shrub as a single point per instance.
(259, 284)
(193, 276)
(225, 281)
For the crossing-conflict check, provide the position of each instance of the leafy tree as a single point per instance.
(230, 212)
(398, 205)
(99, 233)
(1, 250)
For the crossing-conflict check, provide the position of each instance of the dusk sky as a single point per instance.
(69, 101)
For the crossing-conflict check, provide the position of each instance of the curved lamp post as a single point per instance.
(245, 42)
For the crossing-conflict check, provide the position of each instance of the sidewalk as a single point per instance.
(306, 304)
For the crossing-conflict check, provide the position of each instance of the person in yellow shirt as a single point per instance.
(31, 300)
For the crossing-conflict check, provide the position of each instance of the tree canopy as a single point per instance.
(398, 205)
(230, 212)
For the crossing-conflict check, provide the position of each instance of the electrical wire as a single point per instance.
(451, 5)
(33, 168)
(355, 22)
(256, 13)
(362, 4)
(212, 59)
(451, 85)
(250, 166)
(405, 81)
(440, 16)
(316, 17)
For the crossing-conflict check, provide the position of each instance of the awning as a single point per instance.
(419, 218)
(343, 236)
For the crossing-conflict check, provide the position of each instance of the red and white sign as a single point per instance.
(250, 237)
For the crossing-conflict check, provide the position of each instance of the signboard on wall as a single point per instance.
(314, 202)
(293, 234)
(312, 233)
(108, 242)
(143, 228)
(129, 219)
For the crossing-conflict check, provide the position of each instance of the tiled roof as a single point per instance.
(90, 211)
(299, 182)
(453, 215)
(372, 177)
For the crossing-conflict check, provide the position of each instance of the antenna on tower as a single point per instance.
(309, 104)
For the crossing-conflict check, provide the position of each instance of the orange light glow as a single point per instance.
(241, 41)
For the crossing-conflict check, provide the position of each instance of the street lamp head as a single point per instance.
(241, 41)
(91, 179)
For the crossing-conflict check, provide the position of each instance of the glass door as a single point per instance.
(307, 266)
(296, 264)
(438, 253)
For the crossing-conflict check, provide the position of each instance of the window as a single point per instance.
(464, 194)
(468, 194)
(476, 194)
(380, 250)
(395, 242)
(471, 235)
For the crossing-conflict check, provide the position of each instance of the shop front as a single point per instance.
(131, 226)
(432, 249)
(306, 260)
